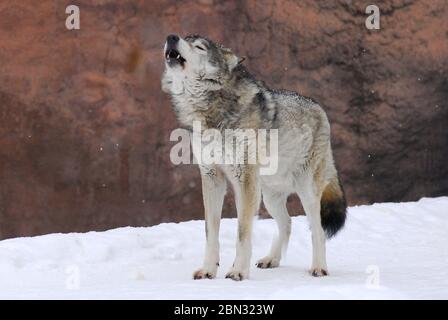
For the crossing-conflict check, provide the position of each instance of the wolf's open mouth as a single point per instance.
(172, 55)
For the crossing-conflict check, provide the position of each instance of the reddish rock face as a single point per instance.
(84, 126)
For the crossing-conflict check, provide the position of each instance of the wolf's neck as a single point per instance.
(238, 104)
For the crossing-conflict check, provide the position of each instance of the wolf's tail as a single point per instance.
(333, 207)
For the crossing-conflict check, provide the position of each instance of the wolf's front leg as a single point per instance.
(213, 191)
(247, 197)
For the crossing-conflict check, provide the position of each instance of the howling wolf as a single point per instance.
(208, 83)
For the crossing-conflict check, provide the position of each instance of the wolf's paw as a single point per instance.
(319, 272)
(268, 262)
(204, 274)
(237, 275)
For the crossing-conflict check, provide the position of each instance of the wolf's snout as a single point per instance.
(172, 54)
(172, 39)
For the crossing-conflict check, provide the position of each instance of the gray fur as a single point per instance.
(214, 88)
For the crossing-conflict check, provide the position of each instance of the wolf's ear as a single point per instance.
(241, 60)
(231, 58)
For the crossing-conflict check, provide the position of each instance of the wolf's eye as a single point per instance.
(200, 48)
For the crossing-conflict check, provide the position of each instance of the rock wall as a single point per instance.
(84, 126)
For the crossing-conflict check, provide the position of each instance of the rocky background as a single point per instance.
(84, 126)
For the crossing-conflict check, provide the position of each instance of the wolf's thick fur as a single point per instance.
(207, 83)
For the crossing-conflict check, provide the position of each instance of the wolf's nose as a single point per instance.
(172, 38)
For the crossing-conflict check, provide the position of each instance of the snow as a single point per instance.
(386, 251)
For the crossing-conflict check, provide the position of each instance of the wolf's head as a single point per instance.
(196, 61)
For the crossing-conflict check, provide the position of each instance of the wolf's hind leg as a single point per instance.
(213, 190)
(310, 194)
(275, 203)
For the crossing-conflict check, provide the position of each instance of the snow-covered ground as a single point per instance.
(385, 251)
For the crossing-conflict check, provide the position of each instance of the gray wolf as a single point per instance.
(208, 83)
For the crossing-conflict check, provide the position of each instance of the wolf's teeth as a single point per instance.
(178, 56)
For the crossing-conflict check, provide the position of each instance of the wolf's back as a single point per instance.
(333, 207)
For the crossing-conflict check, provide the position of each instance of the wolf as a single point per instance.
(209, 83)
